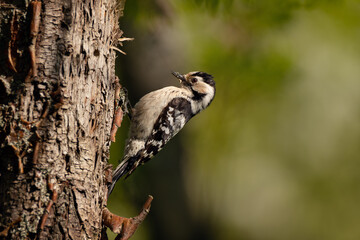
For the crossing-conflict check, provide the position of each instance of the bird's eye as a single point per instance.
(194, 80)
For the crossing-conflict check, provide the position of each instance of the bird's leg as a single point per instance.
(125, 103)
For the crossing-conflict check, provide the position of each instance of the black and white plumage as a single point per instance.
(160, 115)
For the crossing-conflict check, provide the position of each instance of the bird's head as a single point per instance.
(201, 84)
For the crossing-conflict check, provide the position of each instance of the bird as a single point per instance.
(159, 115)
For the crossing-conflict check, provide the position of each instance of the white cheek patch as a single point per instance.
(209, 96)
(201, 87)
(197, 106)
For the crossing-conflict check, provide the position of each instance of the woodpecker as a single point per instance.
(160, 115)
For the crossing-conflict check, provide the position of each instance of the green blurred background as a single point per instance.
(276, 155)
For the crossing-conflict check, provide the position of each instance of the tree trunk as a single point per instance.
(57, 87)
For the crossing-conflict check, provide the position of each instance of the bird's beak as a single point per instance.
(181, 78)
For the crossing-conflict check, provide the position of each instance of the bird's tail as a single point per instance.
(126, 167)
(117, 174)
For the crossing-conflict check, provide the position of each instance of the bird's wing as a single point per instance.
(170, 121)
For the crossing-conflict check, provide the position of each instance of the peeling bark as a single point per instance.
(126, 227)
(57, 90)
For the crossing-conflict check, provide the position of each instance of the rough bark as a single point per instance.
(56, 111)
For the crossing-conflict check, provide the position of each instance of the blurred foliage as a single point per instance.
(276, 154)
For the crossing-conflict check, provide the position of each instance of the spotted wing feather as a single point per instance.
(170, 121)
